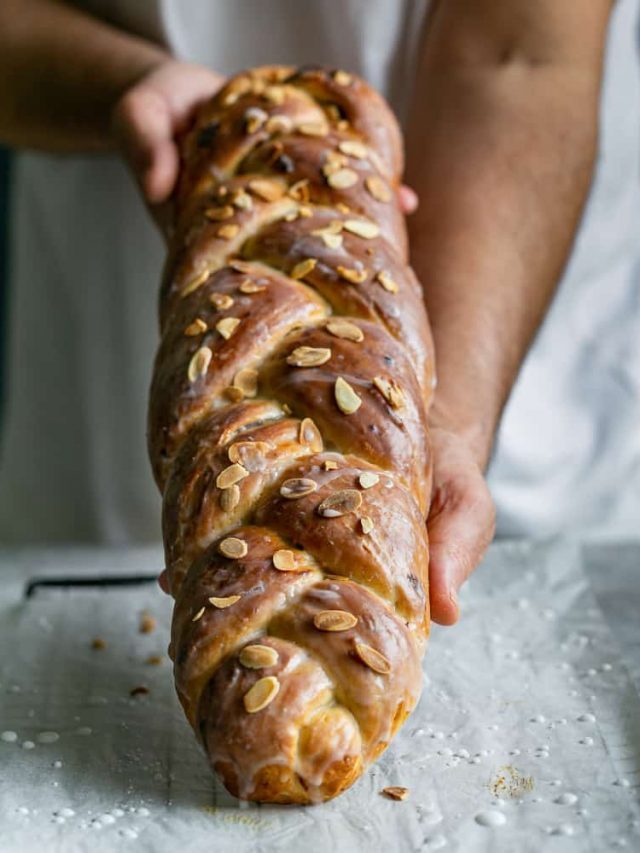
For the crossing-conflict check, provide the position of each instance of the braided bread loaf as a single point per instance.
(288, 435)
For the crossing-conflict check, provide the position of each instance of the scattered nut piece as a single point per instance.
(231, 475)
(346, 398)
(387, 281)
(228, 232)
(300, 190)
(368, 479)
(344, 329)
(377, 188)
(309, 356)
(342, 78)
(225, 601)
(230, 498)
(351, 275)
(329, 465)
(310, 435)
(313, 128)
(266, 189)
(98, 644)
(297, 487)
(254, 119)
(139, 691)
(227, 326)
(395, 792)
(353, 148)
(392, 392)
(221, 301)
(362, 228)
(154, 660)
(331, 241)
(303, 268)
(233, 548)
(233, 394)
(339, 503)
(198, 615)
(249, 286)
(242, 200)
(279, 124)
(334, 620)
(199, 364)
(246, 381)
(261, 694)
(275, 95)
(196, 328)
(250, 454)
(258, 656)
(366, 524)
(284, 560)
(342, 179)
(217, 214)
(195, 282)
(147, 623)
(373, 659)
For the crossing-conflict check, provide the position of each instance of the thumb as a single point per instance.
(142, 125)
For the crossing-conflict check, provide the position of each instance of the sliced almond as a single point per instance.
(199, 364)
(366, 524)
(238, 265)
(340, 503)
(313, 128)
(343, 208)
(242, 200)
(227, 326)
(303, 268)
(344, 329)
(329, 465)
(300, 191)
(233, 548)
(353, 148)
(387, 281)
(254, 118)
(342, 179)
(250, 454)
(390, 390)
(334, 620)
(377, 188)
(196, 328)
(305, 212)
(196, 282)
(395, 792)
(221, 301)
(279, 124)
(261, 694)
(368, 479)
(284, 560)
(216, 214)
(352, 275)
(342, 78)
(297, 487)
(246, 380)
(275, 95)
(362, 228)
(249, 286)
(309, 356)
(346, 398)
(231, 475)
(228, 232)
(198, 615)
(230, 498)
(233, 394)
(310, 435)
(373, 659)
(333, 162)
(266, 189)
(226, 601)
(331, 241)
(258, 656)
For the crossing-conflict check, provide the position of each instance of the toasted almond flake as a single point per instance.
(250, 454)
(395, 792)
(196, 282)
(230, 498)
(227, 232)
(351, 275)
(230, 475)
(266, 189)
(241, 266)
(147, 623)
(368, 479)
(300, 190)
(334, 620)
(279, 124)
(339, 503)
(224, 602)
(242, 200)
(227, 326)
(342, 179)
(297, 487)
(217, 214)
(342, 78)
(249, 286)
(362, 228)
(331, 241)
(341, 207)
(377, 188)
(286, 408)
(346, 398)
(222, 191)
(221, 301)
(233, 394)
(258, 656)
(196, 328)
(284, 560)
(353, 148)
(392, 392)
(198, 615)
(261, 694)
(313, 128)
(366, 524)
(235, 89)
(333, 162)
(309, 356)
(310, 435)
(332, 111)
(275, 95)
(387, 281)
(373, 659)
(199, 364)
(246, 380)
(233, 548)
(329, 465)
(291, 217)
(254, 118)
(303, 268)
(344, 329)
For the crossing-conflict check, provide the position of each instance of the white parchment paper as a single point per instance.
(527, 737)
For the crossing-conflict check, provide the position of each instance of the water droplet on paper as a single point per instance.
(107, 819)
(563, 829)
(586, 741)
(566, 799)
(556, 783)
(514, 752)
(446, 751)
(539, 718)
(48, 737)
(28, 744)
(587, 718)
(128, 833)
(22, 810)
(67, 812)
(117, 812)
(57, 764)
(144, 812)
(623, 783)
(436, 842)
(493, 728)
(84, 730)
(490, 818)
(9, 737)
(606, 667)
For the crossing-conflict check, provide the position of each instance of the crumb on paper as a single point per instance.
(98, 644)
(395, 792)
(154, 660)
(510, 783)
(139, 691)
(147, 623)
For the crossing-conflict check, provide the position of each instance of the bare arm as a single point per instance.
(501, 152)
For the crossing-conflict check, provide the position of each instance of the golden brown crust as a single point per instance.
(288, 434)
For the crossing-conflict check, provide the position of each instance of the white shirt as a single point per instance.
(85, 270)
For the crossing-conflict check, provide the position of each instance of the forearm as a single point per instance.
(62, 72)
(501, 155)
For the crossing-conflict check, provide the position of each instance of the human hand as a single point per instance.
(146, 121)
(461, 521)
